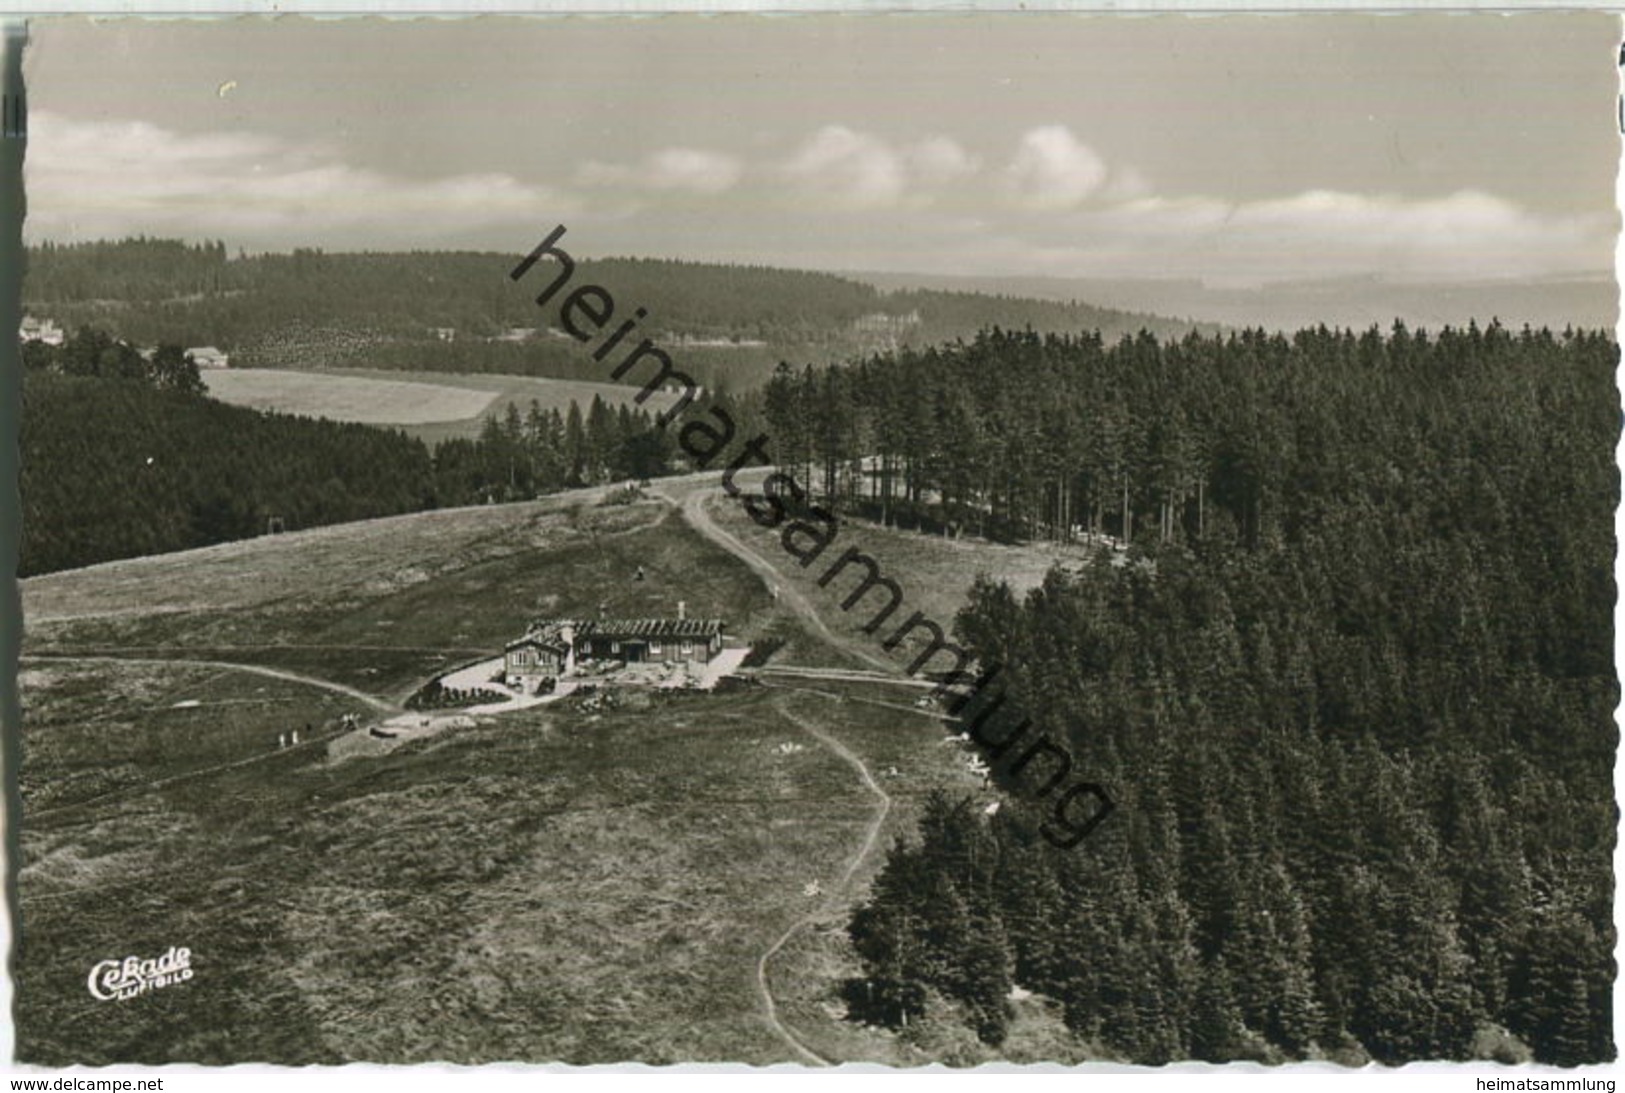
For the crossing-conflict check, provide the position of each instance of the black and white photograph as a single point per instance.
(936, 538)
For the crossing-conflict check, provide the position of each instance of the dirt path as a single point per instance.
(219, 665)
(699, 518)
(265, 647)
(841, 675)
(695, 511)
(697, 515)
(255, 669)
(870, 839)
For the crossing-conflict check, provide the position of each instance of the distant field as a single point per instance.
(432, 406)
(428, 405)
(368, 400)
(520, 391)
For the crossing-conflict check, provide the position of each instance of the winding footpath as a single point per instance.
(695, 512)
(226, 666)
(871, 838)
(372, 701)
(699, 518)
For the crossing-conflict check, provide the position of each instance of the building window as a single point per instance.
(654, 648)
(614, 647)
(688, 648)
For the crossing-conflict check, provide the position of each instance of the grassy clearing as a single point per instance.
(365, 399)
(909, 755)
(240, 593)
(319, 564)
(384, 605)
(934, 573)
(544, 887)
(550, 884)
(105, 728)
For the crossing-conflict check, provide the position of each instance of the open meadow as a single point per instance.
(432, 406)
(519, 391)
(553, 883)
(366, 400)
(934, 572)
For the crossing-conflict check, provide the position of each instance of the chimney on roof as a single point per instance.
(682, 610)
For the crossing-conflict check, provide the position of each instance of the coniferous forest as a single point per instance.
(1347, 673)
(1350, 685)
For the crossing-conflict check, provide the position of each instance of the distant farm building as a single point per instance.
(444, 333)
(552, 648)
(40, 330)
(882, 323)
(207, 356)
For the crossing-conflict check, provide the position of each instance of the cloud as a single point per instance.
(937, 161)
(672, 169)
(841, 199)
(1052, 169)
(856, 169)
(105, 179)
(1126, 184)
(1314, 235)
(861, 171)
(1467, 235)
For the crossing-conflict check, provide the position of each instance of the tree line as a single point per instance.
(124, 456)
(523, 455)
(94, 353)
(1352, 687)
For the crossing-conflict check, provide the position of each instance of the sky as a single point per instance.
(1240, 151)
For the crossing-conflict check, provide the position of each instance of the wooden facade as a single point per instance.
(552, 648)
(641, 641)
(546, 653)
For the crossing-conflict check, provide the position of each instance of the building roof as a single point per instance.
(621, 629)
(649, 628)
(550, 644)
(544, 635)
(33, 328)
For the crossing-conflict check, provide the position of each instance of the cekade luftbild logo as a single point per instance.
(120, 980)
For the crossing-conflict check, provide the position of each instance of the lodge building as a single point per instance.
(553, 647)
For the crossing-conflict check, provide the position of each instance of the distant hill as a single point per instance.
(459, 312)
(1354, 302)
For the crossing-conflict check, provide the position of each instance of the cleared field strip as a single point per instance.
(432, 406)
(551, 393)
(519, 391)
(367, 400)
